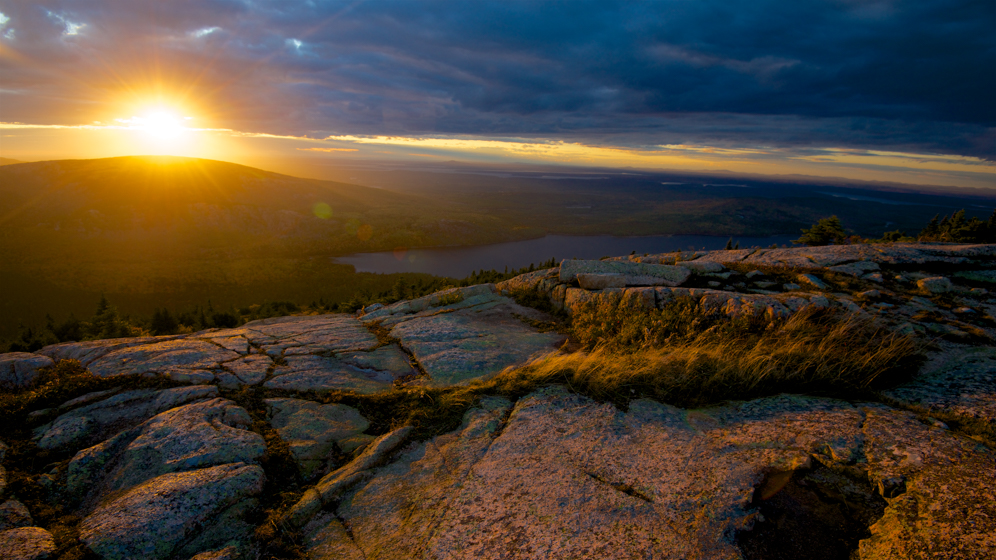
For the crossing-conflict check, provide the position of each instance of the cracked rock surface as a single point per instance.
(566, 477)
(193, 471)
(157, 518)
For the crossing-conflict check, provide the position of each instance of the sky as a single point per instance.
(884, 90)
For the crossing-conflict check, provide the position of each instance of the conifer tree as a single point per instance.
(823, 232)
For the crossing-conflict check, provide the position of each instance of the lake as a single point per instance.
(459, 262)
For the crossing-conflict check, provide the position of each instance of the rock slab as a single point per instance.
(153, 520)
(311, 430)
(19, 369)
(27, 543)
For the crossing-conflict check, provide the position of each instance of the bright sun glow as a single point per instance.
(160, 124)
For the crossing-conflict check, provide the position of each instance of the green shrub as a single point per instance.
(823, 232)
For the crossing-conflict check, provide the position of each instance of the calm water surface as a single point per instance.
(459, 262)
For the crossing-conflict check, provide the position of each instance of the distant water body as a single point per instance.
(460, 262)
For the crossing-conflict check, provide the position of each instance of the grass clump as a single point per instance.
(686, 356)
(682, 355)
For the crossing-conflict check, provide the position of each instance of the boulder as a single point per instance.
(658, 274)
(312, 430)
(310, 334)
(192, 436)
(89, 351)
(324, 374)
(153, 520)
(91, 423)
(575, 298)
(542, 280)
(14, 515)
(457, 347)
(856, 269)
(161, 358)
(27, 543)
(935, 285)
(19, 369)
(589, 281)
(811, 280)
(445, 300)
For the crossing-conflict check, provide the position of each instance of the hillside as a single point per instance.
(8, 161)
(200, 201)
(152, 231)
(826, 402)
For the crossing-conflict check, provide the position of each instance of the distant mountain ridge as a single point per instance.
(205, 205)
(143, 193)
(145, 231)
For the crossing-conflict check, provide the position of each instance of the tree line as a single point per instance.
(955, 228)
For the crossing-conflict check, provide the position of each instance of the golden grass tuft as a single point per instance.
(667, 356)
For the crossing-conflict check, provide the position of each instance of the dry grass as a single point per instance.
(681, 355)
(688, 358)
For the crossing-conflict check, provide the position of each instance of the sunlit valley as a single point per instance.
(405, 280)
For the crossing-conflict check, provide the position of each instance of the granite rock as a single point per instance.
(19, 369)
(312, 430)
(324, 374)
(184, 438)
(589, 281)
(458, 347)
(664, 275)
(935, 285)
(27, 543)
(91, 423)
(161, 358)
(153, 520)
(14, 515)
(956, 379)
(565, 477)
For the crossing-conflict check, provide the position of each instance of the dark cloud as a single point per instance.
(864, 73)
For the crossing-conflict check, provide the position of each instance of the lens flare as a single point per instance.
(364, 232)
(322, 210)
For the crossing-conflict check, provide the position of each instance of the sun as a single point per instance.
(160, 124)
